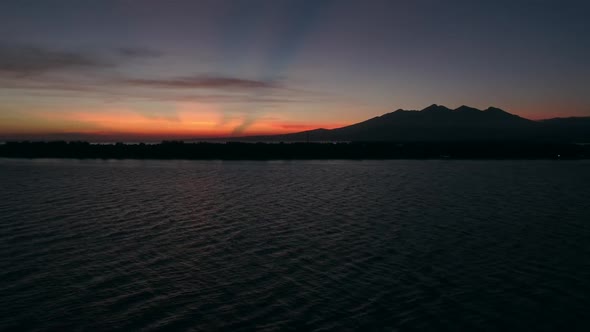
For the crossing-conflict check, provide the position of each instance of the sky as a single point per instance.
(143, 69)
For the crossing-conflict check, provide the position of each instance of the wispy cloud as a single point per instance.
(205, 82)
(25, 60)
(138, 52)
(21, 60)
(48, 71)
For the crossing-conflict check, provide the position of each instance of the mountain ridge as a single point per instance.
(440, 123)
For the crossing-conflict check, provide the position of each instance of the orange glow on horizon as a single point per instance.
(185, 121)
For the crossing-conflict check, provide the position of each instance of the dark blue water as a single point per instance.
(296, 245)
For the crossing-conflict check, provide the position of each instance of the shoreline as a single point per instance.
(177, 150)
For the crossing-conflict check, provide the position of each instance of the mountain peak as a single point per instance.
(494, 109)
(464, 108)
(435, 108)
(438, 123)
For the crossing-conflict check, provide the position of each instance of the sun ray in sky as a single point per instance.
(277, 66)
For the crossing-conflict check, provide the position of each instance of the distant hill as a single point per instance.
(574, 129)
(439, 123)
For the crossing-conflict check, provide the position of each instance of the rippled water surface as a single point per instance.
(294, 245)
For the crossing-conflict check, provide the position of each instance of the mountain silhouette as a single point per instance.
(434, 132)
(439, 123)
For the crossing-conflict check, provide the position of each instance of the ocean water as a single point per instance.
(294, 245)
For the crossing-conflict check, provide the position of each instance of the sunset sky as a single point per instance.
(181, 69)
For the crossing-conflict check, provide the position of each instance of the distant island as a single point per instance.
(435, 132)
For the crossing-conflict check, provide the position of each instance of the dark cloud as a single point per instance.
(246, 123)
(65, 73)
(137, 52)
(20, 60)
(106, 90)
(205, 82)
(25, 60)
(232, 98)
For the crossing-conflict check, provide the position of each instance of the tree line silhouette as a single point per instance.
(268, 151)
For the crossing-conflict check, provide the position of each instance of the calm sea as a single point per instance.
(294, 245)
